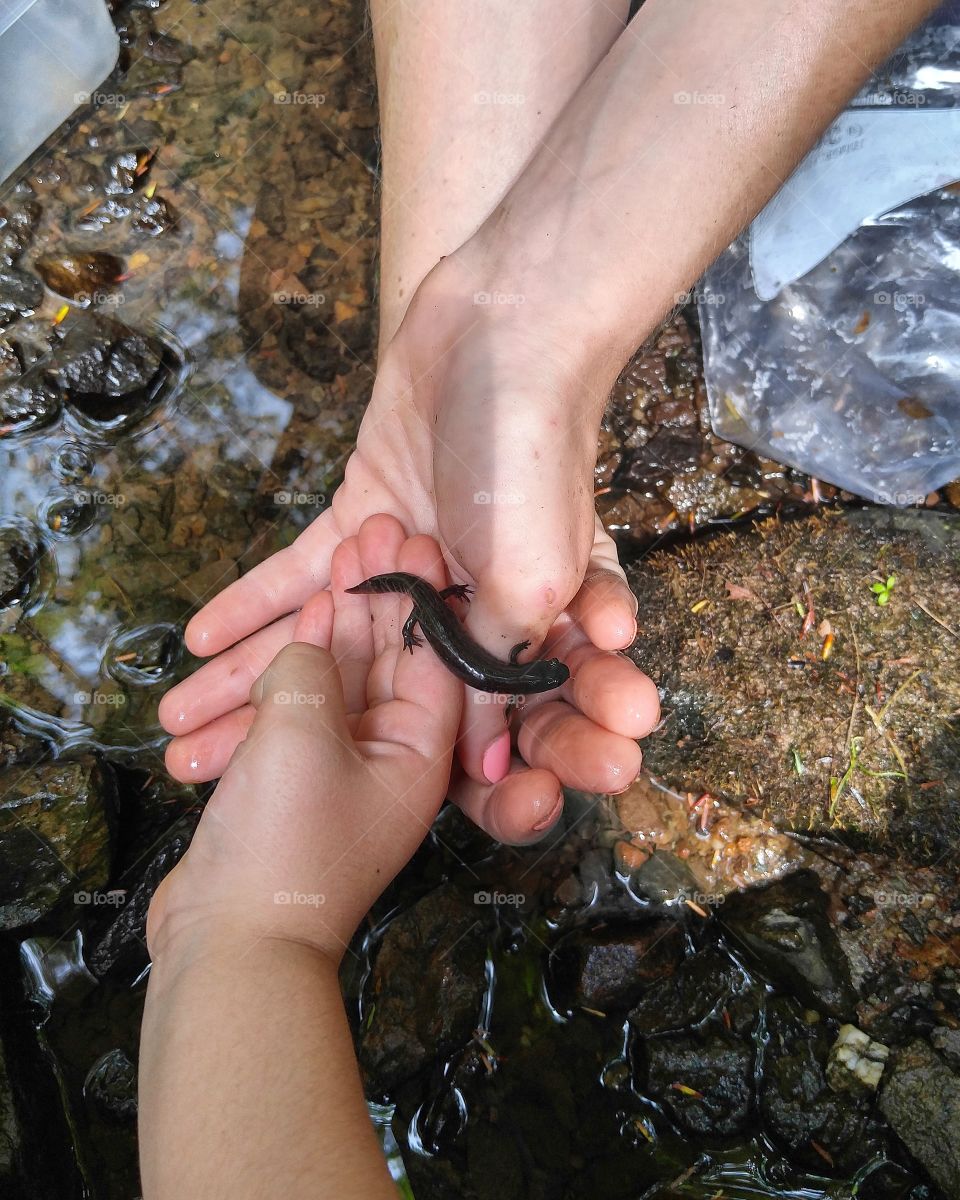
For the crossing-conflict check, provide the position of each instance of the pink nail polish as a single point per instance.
(496, 758)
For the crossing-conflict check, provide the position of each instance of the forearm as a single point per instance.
(692, 121)
(248, 1082)
(467, 90)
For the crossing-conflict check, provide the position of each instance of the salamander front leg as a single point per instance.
(518, 650)
(410, 639)
(457, 591)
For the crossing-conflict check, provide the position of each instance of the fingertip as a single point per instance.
(170, 713)
(518, 811)
(606, 609)
(314, 623)
(196, 637)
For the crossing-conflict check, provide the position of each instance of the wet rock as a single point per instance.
(660, 468)
(20, 294)
(700, 985)
(152, 216)
(109, 371)
(15, 745)
(610, 969)
(19, 562)
(11, 1148)
(31, 402)
(121, 170)
(663, 879)
(18, 225)
(117, 944)
(426, 991)
(786, 928)
(799, 1110)
(55, 836)
(83, 276)
(721, 848)
(705, 1083)
(846, 729)
(921, 1100)
(111, 1086)
(947, 1042)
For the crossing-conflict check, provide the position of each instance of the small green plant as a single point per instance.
(883, 590)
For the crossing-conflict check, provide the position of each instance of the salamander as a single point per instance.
(460, 653)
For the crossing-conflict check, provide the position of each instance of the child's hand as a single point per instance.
(342, 771)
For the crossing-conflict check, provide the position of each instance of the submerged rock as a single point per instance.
(610, 968)
(55, 839)
(427, 987)
(921, 1100)
(798, 1109)
(20, 294)
(785, 926)
(660, 468)
(695, 990)
(788, 691)
(18, 225)
(119, 943)
(81, 275)
(706, 1083)
(19, 562)
(109, 371)
(30, 402)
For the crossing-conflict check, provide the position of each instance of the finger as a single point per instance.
(381, 538)
(352, 641)
(302, 688)
(204, 754)
(605, 609)
(424, 710)
(581, 754)
(314, 622)
(612, 691)
(224, 683)
(604, 606)
(508, 610)
(522, 808)
(275, 587)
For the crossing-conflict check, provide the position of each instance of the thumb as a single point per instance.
(301, 689)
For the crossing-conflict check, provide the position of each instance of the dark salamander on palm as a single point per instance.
(460, 653)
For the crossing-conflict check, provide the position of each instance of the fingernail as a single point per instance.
(551, 816)
(496, 758)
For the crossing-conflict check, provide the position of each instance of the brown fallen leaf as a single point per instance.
(737, 591)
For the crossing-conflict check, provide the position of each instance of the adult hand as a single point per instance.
(481, 433)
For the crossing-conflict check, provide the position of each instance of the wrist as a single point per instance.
(560, 289)
(184, 927)
(481, 315)
(223, 945)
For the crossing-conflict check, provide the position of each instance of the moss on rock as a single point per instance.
(790, 690)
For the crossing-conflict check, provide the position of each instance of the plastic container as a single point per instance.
(53, 54)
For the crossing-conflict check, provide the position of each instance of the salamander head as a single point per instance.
(554, 671)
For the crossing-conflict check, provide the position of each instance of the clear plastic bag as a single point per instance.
(852, 372)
